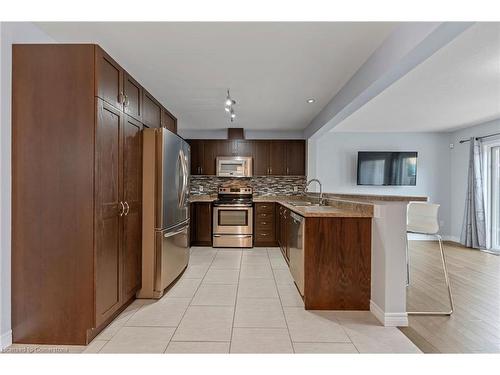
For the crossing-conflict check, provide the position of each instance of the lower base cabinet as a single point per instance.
(265, 224)
(201, 223)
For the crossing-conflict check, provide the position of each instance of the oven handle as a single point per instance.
(234, 207)
(233, 235)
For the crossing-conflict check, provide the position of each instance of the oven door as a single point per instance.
(233, 220)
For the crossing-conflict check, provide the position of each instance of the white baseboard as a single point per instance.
(389, 319)
(6, 340)
(423, 237)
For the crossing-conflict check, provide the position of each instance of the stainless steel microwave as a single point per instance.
(234, 166)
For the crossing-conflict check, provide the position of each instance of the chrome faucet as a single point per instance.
(320, 202)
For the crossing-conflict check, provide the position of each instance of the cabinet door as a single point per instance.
(296, 158)
(108, 79)
(108, 231)
(209, 155)
(277, 158)
(132, 198)
(168, 121)
(261, 158)
(132, 97)
(196, 156)
(151, 115)
(244, 148)
(203, 230)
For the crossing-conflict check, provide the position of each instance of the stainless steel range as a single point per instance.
(233, 217)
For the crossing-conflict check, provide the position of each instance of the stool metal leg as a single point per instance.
(447, 280)
(407, 262)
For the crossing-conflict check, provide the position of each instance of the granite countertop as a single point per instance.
(325, 211)
(333, 209)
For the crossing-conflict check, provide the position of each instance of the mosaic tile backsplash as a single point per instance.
(263, 185)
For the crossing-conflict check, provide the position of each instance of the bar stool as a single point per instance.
(422, 218)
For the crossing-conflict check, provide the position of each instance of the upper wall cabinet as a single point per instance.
(108, 79)
(132, 97)
(152, 111)
(270, 157)
(117, 87)
(168, 121)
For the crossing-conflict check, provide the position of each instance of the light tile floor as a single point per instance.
(237, 301)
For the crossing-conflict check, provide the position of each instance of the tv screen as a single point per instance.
(385, 168)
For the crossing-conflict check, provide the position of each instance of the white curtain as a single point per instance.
(474, 226)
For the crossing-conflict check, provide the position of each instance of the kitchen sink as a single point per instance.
(303, 204)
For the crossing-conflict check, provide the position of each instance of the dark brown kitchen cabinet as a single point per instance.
(295, 158)
(261, 158)
(201, 223)
(168, 121)
(132, 218)
(132, 97)
(264, 224)
(197, 156)
(108, 79)
(210, 153)
(151, 115)
(109, 206)
(270, 157)
(277, 158)
(77, 120)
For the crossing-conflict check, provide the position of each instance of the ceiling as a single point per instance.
(458, 86)
(271, 68)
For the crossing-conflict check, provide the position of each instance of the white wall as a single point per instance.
(459, 169)
(334, 156)
(249, 134)
(11, 32)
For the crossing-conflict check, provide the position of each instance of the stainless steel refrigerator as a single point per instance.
(165, 221)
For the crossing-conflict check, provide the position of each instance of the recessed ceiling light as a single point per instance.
(311, 100)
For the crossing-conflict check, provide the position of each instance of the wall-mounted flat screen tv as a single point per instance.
(387, 168)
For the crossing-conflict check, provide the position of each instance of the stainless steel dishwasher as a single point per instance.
(296, 246)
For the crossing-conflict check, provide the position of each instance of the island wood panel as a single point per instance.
(52, 193)
(337, 265)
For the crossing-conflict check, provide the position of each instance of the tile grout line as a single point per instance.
(190, 300)
(281, 302)
(235, 302)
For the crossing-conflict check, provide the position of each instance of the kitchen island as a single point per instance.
(387, 264)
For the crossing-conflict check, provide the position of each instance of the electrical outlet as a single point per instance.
(201, 188)
(295, 189)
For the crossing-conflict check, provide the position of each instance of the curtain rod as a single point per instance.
(484, 136)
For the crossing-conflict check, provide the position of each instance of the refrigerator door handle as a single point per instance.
(182, 159)
(175, 233)
(180, 193)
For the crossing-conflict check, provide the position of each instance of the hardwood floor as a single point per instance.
(474, 327)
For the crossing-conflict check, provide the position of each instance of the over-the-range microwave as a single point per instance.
(234, 166)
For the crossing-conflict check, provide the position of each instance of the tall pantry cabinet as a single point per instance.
(76, 192)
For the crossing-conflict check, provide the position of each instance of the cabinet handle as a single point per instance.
(121, 97)
(263, 234)
(126, 102)
(128, 208)
(263, 222)
(122, 208)
(287, 170)
(270, 170)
